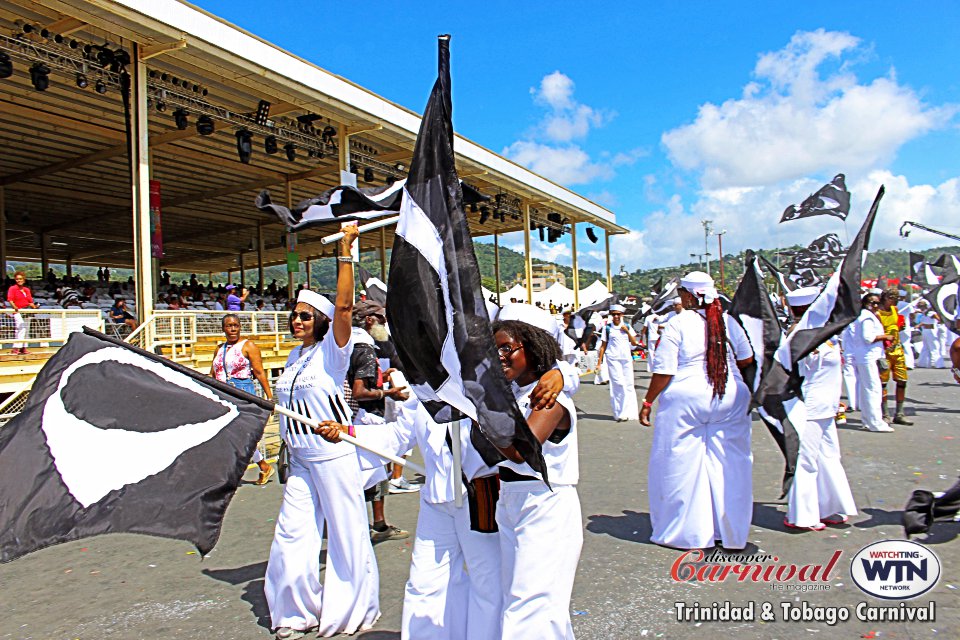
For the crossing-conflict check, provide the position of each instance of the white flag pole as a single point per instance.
(310, 422)
(384, 222)
(457, 465)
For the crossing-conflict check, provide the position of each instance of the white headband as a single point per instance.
(317, 301)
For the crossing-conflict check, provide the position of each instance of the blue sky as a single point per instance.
(670, 112)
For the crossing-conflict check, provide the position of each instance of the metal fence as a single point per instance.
(44, 327)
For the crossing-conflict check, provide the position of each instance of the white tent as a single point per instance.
(593, 294)
(556, 293)
(516, 291)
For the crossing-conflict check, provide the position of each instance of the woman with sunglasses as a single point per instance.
(700, 484)
(541, 531)
(868, 348)
(323, 488)
(237, 362)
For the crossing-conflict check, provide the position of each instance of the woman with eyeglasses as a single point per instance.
(237, 362)
(323, 488)
(541, 531)
(700, 484)
(868, 348)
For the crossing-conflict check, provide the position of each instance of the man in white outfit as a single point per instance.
(617, 340)
(651, 333)
(869, 349)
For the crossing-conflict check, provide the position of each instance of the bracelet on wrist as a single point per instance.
(647, 403)
(345, 259)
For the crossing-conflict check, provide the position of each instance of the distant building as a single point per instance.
(542, 276)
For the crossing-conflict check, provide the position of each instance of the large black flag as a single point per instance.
(778, 395)
(949, 263)
(786, 284)
(943, 299)
(115, 439)
(832, 199)
(435, 303)
(585, 313)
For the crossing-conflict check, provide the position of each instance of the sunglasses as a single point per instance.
(305, 316)
(873, 303)
(504, 351)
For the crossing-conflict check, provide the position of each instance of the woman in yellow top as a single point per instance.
(890, 319)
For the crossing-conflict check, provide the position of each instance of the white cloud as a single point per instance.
(553, 148)
(792, 121)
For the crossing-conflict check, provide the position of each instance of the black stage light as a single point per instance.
(329, 133)
(121, 57)
(368, 175)
(40, 76)
(270, 145)
(6, 65)
(205, 125)
(100, 87)
(484, 214)
(473, 207)
(46, 33)
(74, 44)
(180, 117)
(263, 113)
(105, 57)
(592, 235)
(161, 106)
(540, 231)
(82, 81)
(244, 145)
(291, 151)
(389, 180)
(58, 39)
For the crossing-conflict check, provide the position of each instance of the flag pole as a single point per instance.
(384, 222)
(457, 468)
(299, 417)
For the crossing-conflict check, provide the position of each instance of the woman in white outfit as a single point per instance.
(868, 347)
(541, 530)
(324, 488)
(848, 342)
(930, 356)
(700, 483)
(820, 493)
(617, 340)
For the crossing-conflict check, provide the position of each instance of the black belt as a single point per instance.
(509, 475)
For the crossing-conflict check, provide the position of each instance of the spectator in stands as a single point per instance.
(220, 303)
(20, 297)
(89, 293)
(120, 315)
(260, 305)
(68, 297)
(106, 274)
(174, 302)
(51, 277)
(100, 275)
(235, 302)
(164, 278)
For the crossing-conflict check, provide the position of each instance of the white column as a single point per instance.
(606, 242)
(527, 264)
(140, 186)
(576, 271)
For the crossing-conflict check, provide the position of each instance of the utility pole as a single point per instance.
(720, 258)
(707, 228)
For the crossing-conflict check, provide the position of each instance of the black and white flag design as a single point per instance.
(832, 199)
(778, 393)
(786, 284)
(342, 204)
(435, 303)
(943, 299)
(804, 276)
(116, 439)
(657, 287)
(922, 273)
(950, 265)
(374, 288)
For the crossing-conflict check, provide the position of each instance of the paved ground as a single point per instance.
(126, 586)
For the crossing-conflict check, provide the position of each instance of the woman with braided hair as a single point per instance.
(700, 485)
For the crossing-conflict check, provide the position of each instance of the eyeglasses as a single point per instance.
(873, 303)
(504, 350)
(305, 316)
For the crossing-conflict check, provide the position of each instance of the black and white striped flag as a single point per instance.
(786, 284)
(342, 204)
(944, 299)
(831, 199)
(435, 304)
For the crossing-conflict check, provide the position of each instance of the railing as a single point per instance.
(45, 327)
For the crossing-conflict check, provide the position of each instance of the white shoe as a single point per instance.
(883, 428)
(402, 485)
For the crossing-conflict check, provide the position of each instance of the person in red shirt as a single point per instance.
(20, 297)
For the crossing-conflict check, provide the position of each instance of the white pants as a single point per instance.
(908, 355)
(850, 383)
(820, 487)
(541, 534)
(623, 396)
(19, 330)
(454, 589)
(257, 456)
(930, 351)
(602, 375)
(870, 395)
(317, 494)
(651, 349)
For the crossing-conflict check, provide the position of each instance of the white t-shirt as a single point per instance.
(319, 372)
(822, 373)
(867, 330)
(618, 340)
(683, 344)
(562, 458)
(652, 325)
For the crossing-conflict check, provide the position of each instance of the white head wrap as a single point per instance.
(803, 296)
(700, 284)
(617, 308)
(677, 300)
(317, 301)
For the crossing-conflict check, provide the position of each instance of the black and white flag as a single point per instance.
(950, 265)
(804, 276)
(753, 308)
(657, 287)
(435, 304)
(786, 284)
(341, 204)
(116, 439)
(778, 395)
(832, 199)
(922, 273)
(943, 299)
(374, 288)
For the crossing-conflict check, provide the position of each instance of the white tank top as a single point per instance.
(562, 458)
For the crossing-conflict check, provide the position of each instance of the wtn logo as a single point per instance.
(902, 569)
(895, 569)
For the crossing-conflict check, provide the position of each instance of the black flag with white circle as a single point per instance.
(116, 439)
